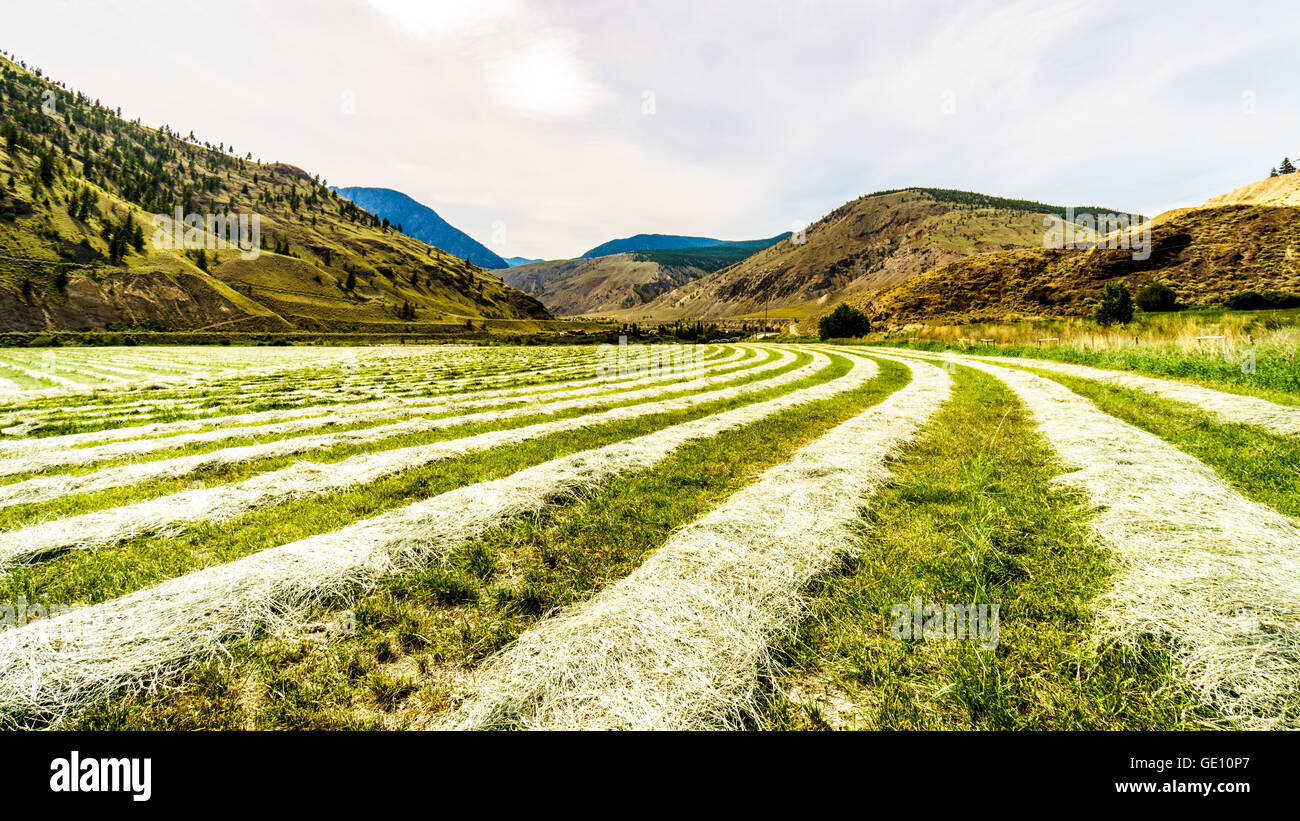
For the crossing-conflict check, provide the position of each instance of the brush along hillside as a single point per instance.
(641, 536)
(617, 282)
(79, 187)
(1248, 240)
(864, 246)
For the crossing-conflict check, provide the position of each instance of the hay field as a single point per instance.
(641, 537)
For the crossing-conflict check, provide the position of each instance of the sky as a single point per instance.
(543, 129)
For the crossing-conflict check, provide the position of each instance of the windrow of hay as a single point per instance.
(1230, 407)
(682, 642)
(62, 386)
(246, 420)
(173, 512)
(1213, 574)
(47, 458)
(50, 668)
(44, 488)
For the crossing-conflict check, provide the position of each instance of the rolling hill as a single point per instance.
(1248, 239)
(650, 242)
(618, 282)
(422, 222)
(868, 245)
(81, 248)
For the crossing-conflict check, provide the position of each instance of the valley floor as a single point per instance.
(704, 537)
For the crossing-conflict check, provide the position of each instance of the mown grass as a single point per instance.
(972, 516)
(28, 513)
(1262, 466)
(281, 389)
(90, 576)
(418, 636)
(1275, 376)
(278, 392)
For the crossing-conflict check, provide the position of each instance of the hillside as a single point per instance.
(618, 282)
(867, 245)
(1280, 190)
(422, 222)
(650, 242)
(79, 249)
(1207, 254)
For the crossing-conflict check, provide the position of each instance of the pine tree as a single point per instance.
(47, 168)
(1286, 167)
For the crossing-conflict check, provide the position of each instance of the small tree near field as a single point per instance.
(1116, 306)
(843, 322)
(1157, 296)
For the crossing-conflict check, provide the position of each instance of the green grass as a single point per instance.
(973, 517)
(419, 635)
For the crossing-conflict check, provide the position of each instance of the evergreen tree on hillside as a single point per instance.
(1286, 167)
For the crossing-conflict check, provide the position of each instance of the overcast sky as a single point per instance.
(545, 128)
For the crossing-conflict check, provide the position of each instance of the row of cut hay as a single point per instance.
(55, 452)
(316, 416)
(43, 375)
(63, 387)
(1229, 407)
(1211, 573)
(24, 365)
(45, 488)
(249, 393)
(50, 668)
(287, 420)
(173, 512)
(683, 642)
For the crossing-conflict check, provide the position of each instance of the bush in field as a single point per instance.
(842, 323)
(1157, 296)
(1116, 306)
(1257, 301)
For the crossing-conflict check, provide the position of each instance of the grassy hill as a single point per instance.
(79, 187)
(1231, 244)
(870, 244)
(617, 282)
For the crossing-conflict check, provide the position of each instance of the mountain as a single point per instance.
(87, 203)
(867, 245)
(1244, 240)
(422, 222)
(650, 242)
(617, 282)
(515, 262)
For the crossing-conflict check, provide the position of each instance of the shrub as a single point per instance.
(1157, 296)
(1257, 301)
(843, 322)
(1116, 306)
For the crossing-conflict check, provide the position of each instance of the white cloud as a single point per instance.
(529, 113)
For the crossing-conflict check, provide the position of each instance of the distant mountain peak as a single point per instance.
(650, 242)
(422, 222)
